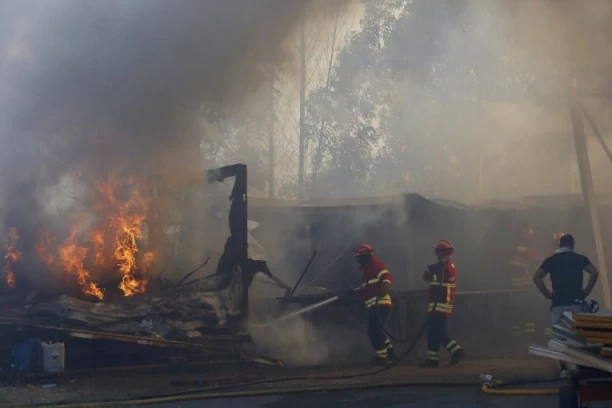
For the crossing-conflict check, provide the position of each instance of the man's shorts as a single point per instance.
(557, 312)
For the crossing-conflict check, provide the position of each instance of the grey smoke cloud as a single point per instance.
(140, 68)
(122, 85)
(126, 81)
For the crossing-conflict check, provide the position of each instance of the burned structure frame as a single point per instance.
(233, 265)
(577, 112)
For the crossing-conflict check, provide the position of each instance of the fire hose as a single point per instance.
(492, 389)
(204, 394)
(209, 392)
(215, 391)
(488, 388)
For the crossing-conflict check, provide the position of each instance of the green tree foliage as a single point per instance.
(419, 100)
(344, 117)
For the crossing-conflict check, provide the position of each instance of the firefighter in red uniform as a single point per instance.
(375, 287)
(441, 278)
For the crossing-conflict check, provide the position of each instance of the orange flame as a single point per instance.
(97, 239)
(128, 226)
(72, 257)
(121, 210)
(12, 256)
(43, 248)
(105, 190)
(147, 261)
(10, 277)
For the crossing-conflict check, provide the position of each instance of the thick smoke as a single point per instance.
(90, 88)
(328, 336)
(557, 44)
(132, 76)
(497, 117)
(481, 109)
(566, 36)
(303, 342)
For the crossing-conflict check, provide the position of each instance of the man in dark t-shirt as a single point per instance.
(565, 268)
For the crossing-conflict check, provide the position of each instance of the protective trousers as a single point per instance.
(377, 316)
(436, 335)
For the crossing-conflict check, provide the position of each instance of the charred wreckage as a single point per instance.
(192, 322)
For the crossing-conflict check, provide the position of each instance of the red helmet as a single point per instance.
(444, 246)
(363, 249)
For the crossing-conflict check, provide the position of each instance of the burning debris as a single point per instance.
(104, 254)
(98, 252)
(117, 234)
(109, 247)
(11, 257)
(112, 99)
(107, 93)
(72, 257)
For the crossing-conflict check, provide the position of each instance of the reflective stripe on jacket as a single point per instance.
(375, 273)
(441, 278)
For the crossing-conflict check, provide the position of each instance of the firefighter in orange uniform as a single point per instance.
(375, 287)
(441, 278)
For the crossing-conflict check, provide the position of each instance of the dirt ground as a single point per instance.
(125, 387)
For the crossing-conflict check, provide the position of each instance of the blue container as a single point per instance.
(27, 357)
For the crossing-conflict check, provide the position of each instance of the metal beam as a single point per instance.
(271, 150)
(302, 144)
(314, 253)
(586, 181)
(591, 121)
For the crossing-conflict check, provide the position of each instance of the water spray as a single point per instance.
(300, 312)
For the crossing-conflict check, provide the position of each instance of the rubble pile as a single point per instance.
(190, 322)
(184, 315)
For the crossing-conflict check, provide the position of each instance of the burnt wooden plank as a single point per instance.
(202, 345)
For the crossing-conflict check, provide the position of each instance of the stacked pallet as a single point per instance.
(582, 339)
(596, 329)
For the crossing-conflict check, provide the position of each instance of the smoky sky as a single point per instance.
(87, 87)
(113, 81)
(138, 72)
(571, 37)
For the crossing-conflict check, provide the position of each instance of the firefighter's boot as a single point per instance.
(457, 356)
(391, 355)
(429, 363)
